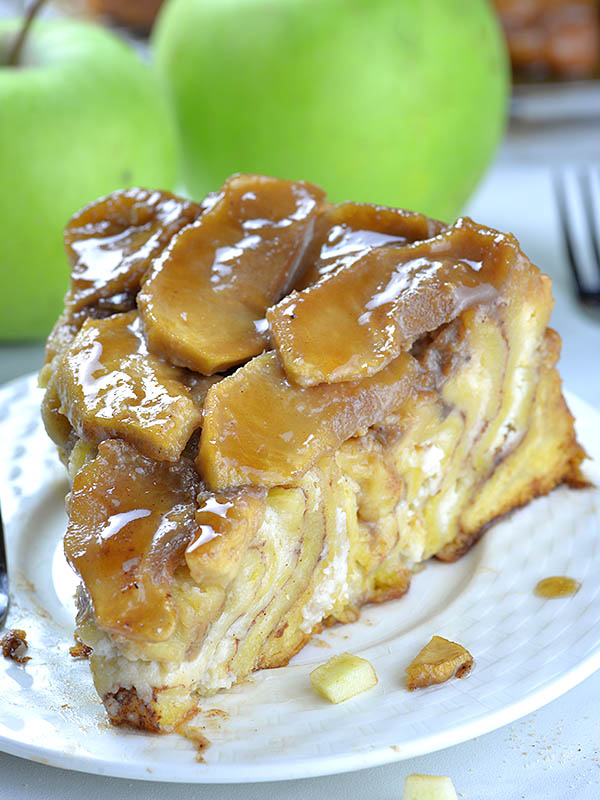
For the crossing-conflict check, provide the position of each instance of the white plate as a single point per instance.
(527, 650)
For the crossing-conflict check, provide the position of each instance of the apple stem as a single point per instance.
(15, 53)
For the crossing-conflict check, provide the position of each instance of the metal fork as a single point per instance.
(584, 239)
(3, 578)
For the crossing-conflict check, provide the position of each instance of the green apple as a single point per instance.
(80, 116)
(398, 102)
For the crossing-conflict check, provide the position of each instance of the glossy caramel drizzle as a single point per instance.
(261, 429)
(111, 243)
(374, 308)
(109, 385)
(130, 520)
(557, 586)
(226, 523)
(347, 232)
(237, 259)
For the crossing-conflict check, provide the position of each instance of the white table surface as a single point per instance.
(553, 753)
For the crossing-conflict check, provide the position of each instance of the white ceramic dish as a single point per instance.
(527, 650)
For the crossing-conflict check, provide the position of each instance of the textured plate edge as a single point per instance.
(268, 772)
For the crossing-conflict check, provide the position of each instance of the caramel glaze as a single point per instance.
(111, 242)
(346, 232)
(203, 299)
(557, 586)
(376, 307)
(226, 523)
(130, 521)
(110, 386)
(437, 662)
(261, 429)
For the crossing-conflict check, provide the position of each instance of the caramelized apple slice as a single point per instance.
(437, 662)
(346, 232)
(260, 429)
(110, 386)
(235, 261)
(111, 243)
(226, 523)
(130, 519)
(356, 320)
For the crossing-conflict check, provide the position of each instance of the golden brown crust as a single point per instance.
(538, 487)
(14, 646)
(127, 708)
(281, 659)
(381, 593)
(80, 649)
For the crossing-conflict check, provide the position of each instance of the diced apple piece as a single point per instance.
(354, 321)
(111, 242)
(428, 787)
(260, 429)
(110, 386)
(437, 662)
(343, 677)
(203, 301)
(344, 233)
(130, 520)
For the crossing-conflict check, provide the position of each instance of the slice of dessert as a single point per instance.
(408, 396)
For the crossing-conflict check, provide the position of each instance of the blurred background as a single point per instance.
(443, 107)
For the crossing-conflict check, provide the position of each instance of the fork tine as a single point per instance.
(589, 297)
(3, 578)
(560, 191)
(585, 181)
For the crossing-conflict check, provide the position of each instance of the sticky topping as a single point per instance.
(360, 316)
(110, 386)
(204, 296)
(261, 429)
(130, 520)
(111, 242)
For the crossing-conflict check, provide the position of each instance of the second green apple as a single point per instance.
(398, 102)
(80, 116)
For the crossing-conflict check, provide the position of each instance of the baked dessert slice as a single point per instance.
(381, 388)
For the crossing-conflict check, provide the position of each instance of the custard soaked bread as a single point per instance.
(274, 410)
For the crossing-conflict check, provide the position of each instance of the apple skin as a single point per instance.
(81, 117)
(397, 102)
